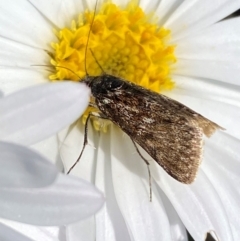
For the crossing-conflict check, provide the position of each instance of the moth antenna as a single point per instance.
(97, 61)
(94, 14)
(57, 67)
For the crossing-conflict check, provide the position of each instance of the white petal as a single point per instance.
(205, 89)
(225, 71)
(110, 224)
(16, 68)
(60, 13)
(35, 113)
(196, 204)
(130, 181)
(50, 149)
(32, 28)
(222, 166)
(192, 16)
(219, 42)
(35, 233)
(68, 200)
(178, 230)
(82, 231)
(213, 53)
(19, 55)
(14, 79)
(165, 9)
(24, 168)
(8, 234)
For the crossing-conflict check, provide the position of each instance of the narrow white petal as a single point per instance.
(218, 42)
(225, 71)
(216, 47)
(23, 168)
(192, 16)
(146, 220)
(205, 89)
(66, 201)
(227, 158)
(16, 70)
(110, 224)
(20, 55)
(8, 234)
(14, 79)
(32, 28)
(35, 113)
(165, 9)
(196, 204)
(60, 13)
(222, 166)
(178, 230)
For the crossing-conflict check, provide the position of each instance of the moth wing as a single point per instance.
(176, 148)
(208, 127)
(170, 132)
(175, 141)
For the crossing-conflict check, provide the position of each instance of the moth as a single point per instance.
(170, 132)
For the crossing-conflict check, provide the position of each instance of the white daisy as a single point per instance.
(205, 77)
(32, 189)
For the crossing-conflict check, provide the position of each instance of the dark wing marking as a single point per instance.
(170, 132)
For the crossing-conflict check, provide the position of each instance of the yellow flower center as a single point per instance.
(125, 42)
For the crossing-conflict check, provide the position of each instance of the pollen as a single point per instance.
(124, 42)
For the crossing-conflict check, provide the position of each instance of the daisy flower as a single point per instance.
(179, 48)
(32, 189)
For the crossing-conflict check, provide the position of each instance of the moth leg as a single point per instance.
(85, 142)
(149, 172)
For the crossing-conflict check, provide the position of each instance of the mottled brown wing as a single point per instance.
(208, 127)
(170, 132)
(175, 147)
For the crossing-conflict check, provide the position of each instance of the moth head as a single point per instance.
(111, 83)
(96, 84)
(103, 84)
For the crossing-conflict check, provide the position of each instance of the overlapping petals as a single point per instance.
(32, 190)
